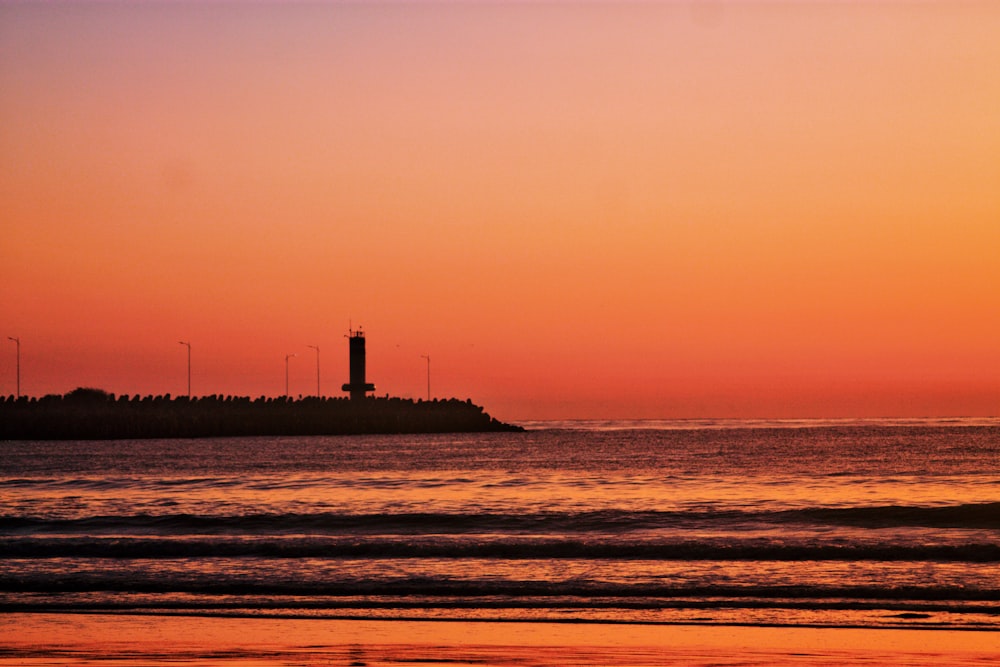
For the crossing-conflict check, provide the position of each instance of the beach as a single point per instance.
(95, 639)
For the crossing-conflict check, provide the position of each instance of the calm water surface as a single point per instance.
(860, 523)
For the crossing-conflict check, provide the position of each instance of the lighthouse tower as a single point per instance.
(357, 386)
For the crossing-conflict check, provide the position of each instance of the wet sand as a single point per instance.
(95, 639)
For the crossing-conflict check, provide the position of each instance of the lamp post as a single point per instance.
(188, 345)
(17, 341)
(428, 358)
(287, 357)
(316, 347)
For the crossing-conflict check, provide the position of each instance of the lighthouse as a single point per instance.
(357, 386)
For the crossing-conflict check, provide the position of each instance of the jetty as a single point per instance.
(92, 414)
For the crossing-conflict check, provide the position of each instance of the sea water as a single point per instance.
(869, 524)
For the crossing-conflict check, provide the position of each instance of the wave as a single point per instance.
(119, 483)
(968, 516)
(431, 591)
(510, 548)
(976, 515)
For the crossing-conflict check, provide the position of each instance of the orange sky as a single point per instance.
(577, 210)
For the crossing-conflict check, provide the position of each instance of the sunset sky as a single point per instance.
(577, 210)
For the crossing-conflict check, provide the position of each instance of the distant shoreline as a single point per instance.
(92, 414)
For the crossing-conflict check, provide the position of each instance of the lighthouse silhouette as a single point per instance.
(357, 386)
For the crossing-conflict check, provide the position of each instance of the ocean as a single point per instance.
(847, 524)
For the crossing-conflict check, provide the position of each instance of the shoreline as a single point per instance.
(372, 618)
(97, 639)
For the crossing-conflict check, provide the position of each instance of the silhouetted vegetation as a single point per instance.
(93, 414)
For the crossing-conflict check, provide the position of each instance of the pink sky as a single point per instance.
(577, 210)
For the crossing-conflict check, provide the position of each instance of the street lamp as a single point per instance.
(17, 341)
(287, 357)
(189, 365)
(316, 347)
(428, 358)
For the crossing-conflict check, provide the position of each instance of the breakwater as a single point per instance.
(90, 414)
